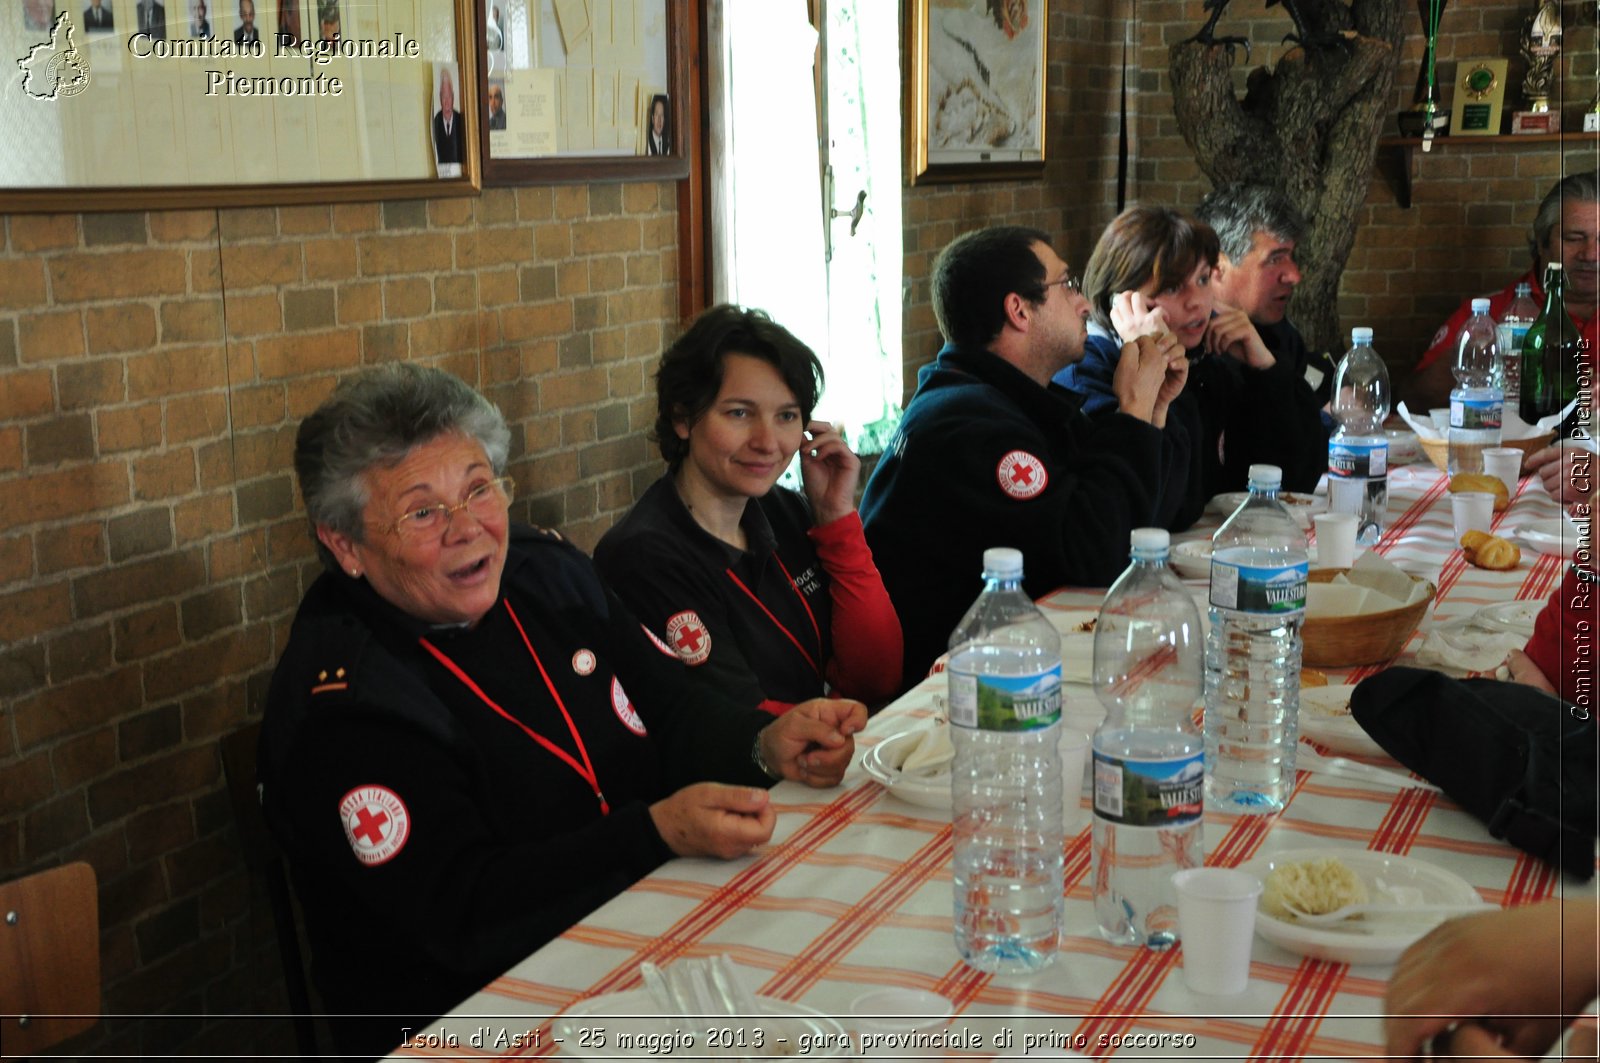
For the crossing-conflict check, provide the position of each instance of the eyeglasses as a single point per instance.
(1069, 283)
(485, 501)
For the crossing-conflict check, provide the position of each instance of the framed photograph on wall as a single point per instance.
(137, 106)
(975, 82)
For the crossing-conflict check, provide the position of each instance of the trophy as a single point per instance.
(1591, 117)
(1541, 47)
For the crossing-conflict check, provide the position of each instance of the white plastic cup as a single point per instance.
(1506, 463)
(1074, 746)
(1440, 416)
(1346, 494)
(878, 1018)
(1216, 922)
(1472, 511)
(1336, 539)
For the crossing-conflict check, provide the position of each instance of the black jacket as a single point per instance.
(985, 457)
(504, 846)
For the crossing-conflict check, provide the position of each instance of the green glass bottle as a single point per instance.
(1550, 354)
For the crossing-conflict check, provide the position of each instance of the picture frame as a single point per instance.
(128, 118)
(622, 90)
(975, 88)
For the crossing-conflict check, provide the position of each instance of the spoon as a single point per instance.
(1350, 911)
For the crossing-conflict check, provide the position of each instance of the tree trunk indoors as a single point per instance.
(1309, 127)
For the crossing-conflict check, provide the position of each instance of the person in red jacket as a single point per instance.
(1566, 229)
(770, 593)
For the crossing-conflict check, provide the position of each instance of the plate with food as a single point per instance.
(1325, 717)
(635, 1026)
(1191, 559)
(1321, 880)
(1302, 507)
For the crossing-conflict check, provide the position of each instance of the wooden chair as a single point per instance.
(261, 856)
(49, 958)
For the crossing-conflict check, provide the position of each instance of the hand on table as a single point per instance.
(713, 819)
(1232, 333)
(829, 470)
(1521, 669)
(1567, 473)
(812, 742)
(1488, 972)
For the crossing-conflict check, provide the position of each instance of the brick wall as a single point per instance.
(153, 368)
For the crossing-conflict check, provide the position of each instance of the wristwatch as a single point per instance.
(761, 762)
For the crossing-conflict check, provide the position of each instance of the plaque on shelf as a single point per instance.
(1480, 94)
(1536, 122)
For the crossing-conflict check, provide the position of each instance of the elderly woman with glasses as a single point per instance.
(1152, 272)
(469, 743)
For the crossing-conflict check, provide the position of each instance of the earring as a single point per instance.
(355, 573)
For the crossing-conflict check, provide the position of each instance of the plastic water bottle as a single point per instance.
(1477, 402)
(1515, 321)
(1005, 712)
(1258, 599)
(1149, 764)
(1358, 453)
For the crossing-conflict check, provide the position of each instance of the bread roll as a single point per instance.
(1490, 551)
(1482, 481)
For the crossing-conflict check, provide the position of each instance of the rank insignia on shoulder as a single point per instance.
(330, 681)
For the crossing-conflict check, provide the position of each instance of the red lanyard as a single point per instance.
(778, 623)
(584, 770)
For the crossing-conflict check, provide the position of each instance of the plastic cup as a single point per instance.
(1336, 539)
(1074, 747)
(880, 1016)
(1472, 511)
(1346, 495)
(1440, 416)
(1506, 463)
(1217, 922)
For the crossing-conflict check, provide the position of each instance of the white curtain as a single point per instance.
(766, 227)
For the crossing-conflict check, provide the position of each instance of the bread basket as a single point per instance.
(1367, 638)
(1438, 450)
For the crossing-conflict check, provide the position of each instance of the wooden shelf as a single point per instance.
(1405, 148)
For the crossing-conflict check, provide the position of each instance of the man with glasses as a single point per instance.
(990, 453)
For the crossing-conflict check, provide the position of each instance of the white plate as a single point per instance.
(1558, 537)
(1077, 645)
(1515, 616)
(932, 790)
(635, 1013)
(1300, 506)
(1191, 559)
(1325, 717)
(1374, 939)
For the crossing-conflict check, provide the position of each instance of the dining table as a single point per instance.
(853, 893)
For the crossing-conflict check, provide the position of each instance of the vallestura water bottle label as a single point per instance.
(1475, 414)
(1347, 458)
(1004, 702)
(1258, 588)
(1148, 793)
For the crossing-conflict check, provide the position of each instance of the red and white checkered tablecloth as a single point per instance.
(854, 894)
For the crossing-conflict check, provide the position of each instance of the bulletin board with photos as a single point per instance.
(139, 104)
(583, 89)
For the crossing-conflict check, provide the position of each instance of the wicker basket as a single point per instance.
(1370, 638)
(1438, 450)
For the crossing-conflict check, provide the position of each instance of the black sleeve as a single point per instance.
(1276, 418)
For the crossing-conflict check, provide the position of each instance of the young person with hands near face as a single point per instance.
(1154, 273)
(768, 593)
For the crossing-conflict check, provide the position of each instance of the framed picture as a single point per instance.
(144, 104)
(579, 90)
(975, 82)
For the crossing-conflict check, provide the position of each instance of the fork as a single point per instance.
(1350, 911)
